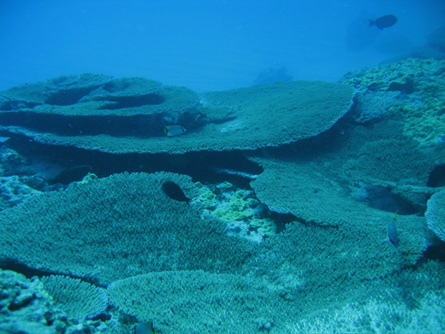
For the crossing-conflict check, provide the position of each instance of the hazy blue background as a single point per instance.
(205, 44)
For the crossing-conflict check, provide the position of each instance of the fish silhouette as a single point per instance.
(173, 191)
(393, 236)
(383, 22)
(174, 130)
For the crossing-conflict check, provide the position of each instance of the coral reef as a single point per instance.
(14, 190)
(119, 107)
(247, 118)
(370, 106)
(244, 215)
(435, 214)
(117, 227)
(408, 302)
(25, 307)
(281, 224)
(78, 299)
(221, 302)
(420, 100)
(62, 90)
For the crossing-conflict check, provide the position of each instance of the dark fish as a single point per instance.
(173, 191)
(393, 236)
(383, 22)
(72, 174)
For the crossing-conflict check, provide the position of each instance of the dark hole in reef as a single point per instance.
(102, 317)
(203, 166)
(382, 198)
(22, 269)
(68, 96)
(71, 174)
(133, 101)
(16, 105)
(281, 219)
(31, 272)
(436, 252)
(137, 125)
(14, 306)
(406, 87)
(437, 177)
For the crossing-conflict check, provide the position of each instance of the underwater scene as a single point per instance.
(238, 167)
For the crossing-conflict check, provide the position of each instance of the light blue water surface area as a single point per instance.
(205, 45)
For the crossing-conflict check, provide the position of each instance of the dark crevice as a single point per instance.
(64, 97)
(282, 219)
(203, 166)
(132, 101)
(437, 177)
(382, 198)
(436, 252)
(137, 125)
(22, 269)
(29, 272)
(103, 317)
(407, 87)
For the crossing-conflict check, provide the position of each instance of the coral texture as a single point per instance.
(114, 228)
(435, 214)
(111, 121)
(79, 300)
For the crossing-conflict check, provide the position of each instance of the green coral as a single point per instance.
(264, 226)
(207, 198)
(422, 100)
(225, 185)
(242, 212)
(90, 177)
(236, 208)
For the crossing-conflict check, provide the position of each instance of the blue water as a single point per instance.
(205, 45)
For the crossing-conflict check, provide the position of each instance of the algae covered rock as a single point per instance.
(14, 190)
(25, 307)
(239, 210)
(412, 89)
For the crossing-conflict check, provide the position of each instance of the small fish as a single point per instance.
(174, 130)
(391, 229)
(173, 191)
(383, 22)
(145, 328)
